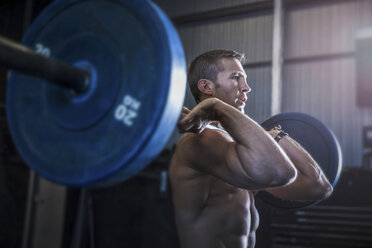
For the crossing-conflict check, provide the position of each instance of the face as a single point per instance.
(231, 84)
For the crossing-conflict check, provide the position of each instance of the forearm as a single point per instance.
(255, 148)
(302, 160)
(311, 183)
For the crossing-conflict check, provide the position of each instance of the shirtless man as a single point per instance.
(224, 157)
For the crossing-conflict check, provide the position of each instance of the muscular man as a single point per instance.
(224, 157)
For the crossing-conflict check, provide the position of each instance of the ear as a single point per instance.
(206, 87)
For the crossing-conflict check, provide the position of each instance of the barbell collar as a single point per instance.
(20, 58)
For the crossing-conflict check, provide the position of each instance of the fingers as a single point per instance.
(185, 110)
(185, 123)
(196, 128)
(191, 124)
(189, 128)
(190, 121)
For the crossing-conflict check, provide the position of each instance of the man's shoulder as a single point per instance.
(182, 161)
(191, 146)
(191, 143)
(199, 150)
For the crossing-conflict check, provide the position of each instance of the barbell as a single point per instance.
(99, 97)
(117, 115)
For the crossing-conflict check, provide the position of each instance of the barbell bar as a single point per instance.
(123, 99)
(25, 60)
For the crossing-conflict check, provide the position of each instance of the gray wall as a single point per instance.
(319, 63)
(321, 84)
(183, 7)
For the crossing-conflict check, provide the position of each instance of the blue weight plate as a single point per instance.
(317, 139)
(111, 132)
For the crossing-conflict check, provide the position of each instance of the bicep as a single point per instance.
(216, 154)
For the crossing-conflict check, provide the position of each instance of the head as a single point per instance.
(219, 73)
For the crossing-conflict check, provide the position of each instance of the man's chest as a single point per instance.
(221, 192)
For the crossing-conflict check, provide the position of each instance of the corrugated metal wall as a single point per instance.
(319, 68)
(181, 7)
(321, 84)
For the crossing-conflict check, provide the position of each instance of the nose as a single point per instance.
(244, 87)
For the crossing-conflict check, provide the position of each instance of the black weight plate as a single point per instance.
(315, 138)
(115, 129)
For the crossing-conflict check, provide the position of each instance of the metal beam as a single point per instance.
(277, 59)
(303, 59)
(242, 9)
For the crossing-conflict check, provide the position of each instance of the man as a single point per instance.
(225, 157)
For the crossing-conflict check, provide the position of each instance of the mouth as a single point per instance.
(242, 100)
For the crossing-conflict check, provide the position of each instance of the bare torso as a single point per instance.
(210, 212)
(213, 171)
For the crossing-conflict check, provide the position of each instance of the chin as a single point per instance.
(241, 109)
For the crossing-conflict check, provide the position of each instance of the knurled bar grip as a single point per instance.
(20, 58)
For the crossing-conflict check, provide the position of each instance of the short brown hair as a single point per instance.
(207, 66)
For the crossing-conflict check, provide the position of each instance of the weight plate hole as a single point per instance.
(92, 82)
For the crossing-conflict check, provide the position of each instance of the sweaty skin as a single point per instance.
(210, 212)
(214, 173)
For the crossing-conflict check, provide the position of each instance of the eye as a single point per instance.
(235, 77)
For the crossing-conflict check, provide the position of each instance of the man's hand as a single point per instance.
(273, 132)
(197, 119)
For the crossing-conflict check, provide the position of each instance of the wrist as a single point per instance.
(214, 108)
(280, 135)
